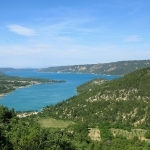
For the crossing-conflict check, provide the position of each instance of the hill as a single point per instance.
(104, 115)
(122, 102)
(114, 68)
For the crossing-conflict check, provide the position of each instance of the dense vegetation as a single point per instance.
(114, 68)
(105, 115)
(9, 83)
(26, 134)
(122, 101)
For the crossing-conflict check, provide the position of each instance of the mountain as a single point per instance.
(124, 101)
(114, 68)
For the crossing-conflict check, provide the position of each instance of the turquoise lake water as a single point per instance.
(38, 96)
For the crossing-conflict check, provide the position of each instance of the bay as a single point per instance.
(38, 96)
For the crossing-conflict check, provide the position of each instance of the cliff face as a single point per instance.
(114, 68)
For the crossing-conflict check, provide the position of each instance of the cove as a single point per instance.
(38, 96)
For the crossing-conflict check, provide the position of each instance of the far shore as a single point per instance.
(3, 94)
(26, 86)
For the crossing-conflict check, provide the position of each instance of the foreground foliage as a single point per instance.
(27, 134)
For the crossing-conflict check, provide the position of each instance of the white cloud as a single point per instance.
(21, 30)
(133, 38)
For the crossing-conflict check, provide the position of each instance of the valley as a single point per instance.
(105, 114)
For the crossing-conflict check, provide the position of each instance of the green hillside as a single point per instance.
(105, 115)
(113, 68)
(124, 101)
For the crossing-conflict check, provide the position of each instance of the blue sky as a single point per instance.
(35, 33)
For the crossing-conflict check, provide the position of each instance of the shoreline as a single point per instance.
(15, 88)
(32, 83)
(1, 95)
(79, 73)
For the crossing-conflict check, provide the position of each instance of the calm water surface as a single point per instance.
(38, 96)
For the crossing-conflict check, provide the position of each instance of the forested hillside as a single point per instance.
(104, 115)
(27, 134)
(113, 68)
(124, 101)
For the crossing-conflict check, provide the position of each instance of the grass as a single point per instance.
(53, 123)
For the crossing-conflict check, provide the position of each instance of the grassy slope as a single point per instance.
(53, 123)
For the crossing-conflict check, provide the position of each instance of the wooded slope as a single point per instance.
(121, 101)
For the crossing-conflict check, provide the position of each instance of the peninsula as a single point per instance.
(11, 83)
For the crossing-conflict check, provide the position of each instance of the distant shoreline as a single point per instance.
(78, 73)
(27, 82)
(19, 87)
(1, 95)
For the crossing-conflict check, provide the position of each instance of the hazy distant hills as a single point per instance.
(123, 101)
(14, 69)
(113, 68)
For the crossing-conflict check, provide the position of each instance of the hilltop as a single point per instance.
(123, 101)
(113, 68)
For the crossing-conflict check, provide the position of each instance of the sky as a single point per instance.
(44, 33)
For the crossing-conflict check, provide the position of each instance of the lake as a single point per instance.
(38, 96)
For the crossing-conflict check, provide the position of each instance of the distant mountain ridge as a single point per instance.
(14, 69)
(113, 68)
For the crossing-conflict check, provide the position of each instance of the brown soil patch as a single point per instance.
(94, 134)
